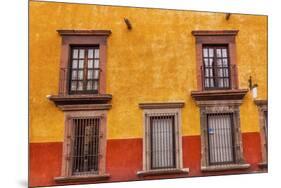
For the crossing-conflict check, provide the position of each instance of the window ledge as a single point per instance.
(81, 178)
(80, 99)
(163, 172)
(224, 167)
(263, 165)
(237, 94)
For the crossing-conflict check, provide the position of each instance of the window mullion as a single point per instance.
(85, 70)
(215, 68)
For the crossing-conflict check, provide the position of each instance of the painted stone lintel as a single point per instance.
(161, 105)
(214, 32)
(66, 32)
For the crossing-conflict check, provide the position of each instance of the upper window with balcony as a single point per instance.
(216, 60)
(82, 76)
(83, 62)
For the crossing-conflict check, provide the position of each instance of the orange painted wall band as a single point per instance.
(124, 159)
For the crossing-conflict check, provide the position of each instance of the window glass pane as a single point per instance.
(207, 83)
(80, 75)
(74, 64)
(90, 53)
(81, 54)
(225, 64)
(89, 85)
(225, 72)
(74, 75)
(90, 64)
(206, 62)
(80, 86)
(212, 83)
(211, 52)
(207, 72)
(224, 53)
(205, 52)
(226, 82)
(97, 53)
(211, 72)
(75, 53)
(219, 63)
(73, 85)
(96, 74)
(218, 52)
(95, 87)
(211, 62)
(81, 64)
(96, 64)
(220, 83)
(90, 74)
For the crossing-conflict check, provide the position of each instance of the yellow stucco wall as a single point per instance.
(155, 61)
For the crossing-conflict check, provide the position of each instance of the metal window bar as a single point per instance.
(216, 68)
(220, 131)
(84, 70)
(162, 141)
(85, 148)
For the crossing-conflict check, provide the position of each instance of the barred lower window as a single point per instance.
(162, 141)
(85, 148)
(85, 70)
(162, 144)
(216, 67)
(220, 139)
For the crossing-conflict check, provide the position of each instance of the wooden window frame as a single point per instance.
(221, 107)
(152, 109)
(81, 38)
(262, 109)
(66, 171)
(85, 70)
(215, 68)
(216, 37)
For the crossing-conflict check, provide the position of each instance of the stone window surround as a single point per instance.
(81, 38)
(65, 169)
(262, 108)
(222, 106)
(155, 108)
